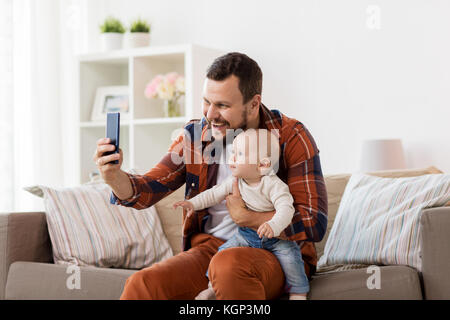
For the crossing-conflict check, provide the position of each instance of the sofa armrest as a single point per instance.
(435, 224)
(23, 237)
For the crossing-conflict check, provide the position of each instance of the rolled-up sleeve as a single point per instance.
(167, 176)
(134, 179)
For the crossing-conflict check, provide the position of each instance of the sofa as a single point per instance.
(27, 270)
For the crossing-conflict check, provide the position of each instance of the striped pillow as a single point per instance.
(85, 229)
(378, 219)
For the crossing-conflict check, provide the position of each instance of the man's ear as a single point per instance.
(255, 103)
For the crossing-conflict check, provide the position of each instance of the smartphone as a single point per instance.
(113, 132)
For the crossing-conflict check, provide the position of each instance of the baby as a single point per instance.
(254, 160)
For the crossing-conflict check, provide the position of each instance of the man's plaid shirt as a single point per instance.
(299, 167)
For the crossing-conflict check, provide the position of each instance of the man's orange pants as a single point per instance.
(235, 274)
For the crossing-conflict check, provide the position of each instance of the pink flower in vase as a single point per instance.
(151, 91)
(172, 77)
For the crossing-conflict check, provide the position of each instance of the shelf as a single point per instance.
(151, 142)
(145, 133)
(173, 120)
(98, 124)
(119, 56)
(144, 69)
(97, 74)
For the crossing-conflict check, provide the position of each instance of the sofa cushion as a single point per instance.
(45, 281)
(336, 183)
(396, 283)
(172, 219)
(378, 219)
(85, 229)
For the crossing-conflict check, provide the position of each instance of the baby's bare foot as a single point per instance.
(207, 294)
(297, 296)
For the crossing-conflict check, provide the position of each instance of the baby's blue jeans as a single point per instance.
(287, 252)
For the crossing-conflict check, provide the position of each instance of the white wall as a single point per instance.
(325, 67)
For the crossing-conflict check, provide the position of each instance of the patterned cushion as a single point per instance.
(378, 219)
(85, 229)
(336, 183)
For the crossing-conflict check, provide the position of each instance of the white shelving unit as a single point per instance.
(146, 135)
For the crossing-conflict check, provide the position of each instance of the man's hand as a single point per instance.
(108, 171)
(236, 206)
(186, 205)
(243, 216)
(265, 230)
(112, 175)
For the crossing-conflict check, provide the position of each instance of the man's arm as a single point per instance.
(142, 191)
(253, 219)
(248, 218)
(111, 173)
(121, 186)
(307, 186)
(241, 215)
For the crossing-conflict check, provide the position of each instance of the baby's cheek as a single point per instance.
(248, 169)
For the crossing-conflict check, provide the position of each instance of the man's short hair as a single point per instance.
(243, 67)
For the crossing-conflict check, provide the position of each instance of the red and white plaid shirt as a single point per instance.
(299, 167)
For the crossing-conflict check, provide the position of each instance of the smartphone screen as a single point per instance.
(113, 132)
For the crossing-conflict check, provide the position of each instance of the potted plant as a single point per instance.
(139, 35)
(112, 34)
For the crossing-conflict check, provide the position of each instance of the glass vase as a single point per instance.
(171, 108)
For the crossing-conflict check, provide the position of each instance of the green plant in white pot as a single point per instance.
(139, 35)
(112, 34)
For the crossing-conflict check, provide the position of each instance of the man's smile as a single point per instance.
(218, 126)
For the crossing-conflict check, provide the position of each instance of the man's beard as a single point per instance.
(230, 135)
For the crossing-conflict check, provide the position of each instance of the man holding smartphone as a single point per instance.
(231, 100)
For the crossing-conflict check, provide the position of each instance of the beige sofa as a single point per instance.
(27, 270)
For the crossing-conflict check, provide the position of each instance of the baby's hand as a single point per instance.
(265, 230)
(186, 205)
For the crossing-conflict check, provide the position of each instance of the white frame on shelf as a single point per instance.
(98, 112)
(146, 138)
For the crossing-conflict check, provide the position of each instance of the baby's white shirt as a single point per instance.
(219, 223)
(270, 194)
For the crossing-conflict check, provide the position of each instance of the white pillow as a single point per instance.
(378, 220)
(85, 229)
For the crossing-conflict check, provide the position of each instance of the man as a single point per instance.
(231, 100)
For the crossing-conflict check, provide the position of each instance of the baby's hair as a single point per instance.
(260, 144)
